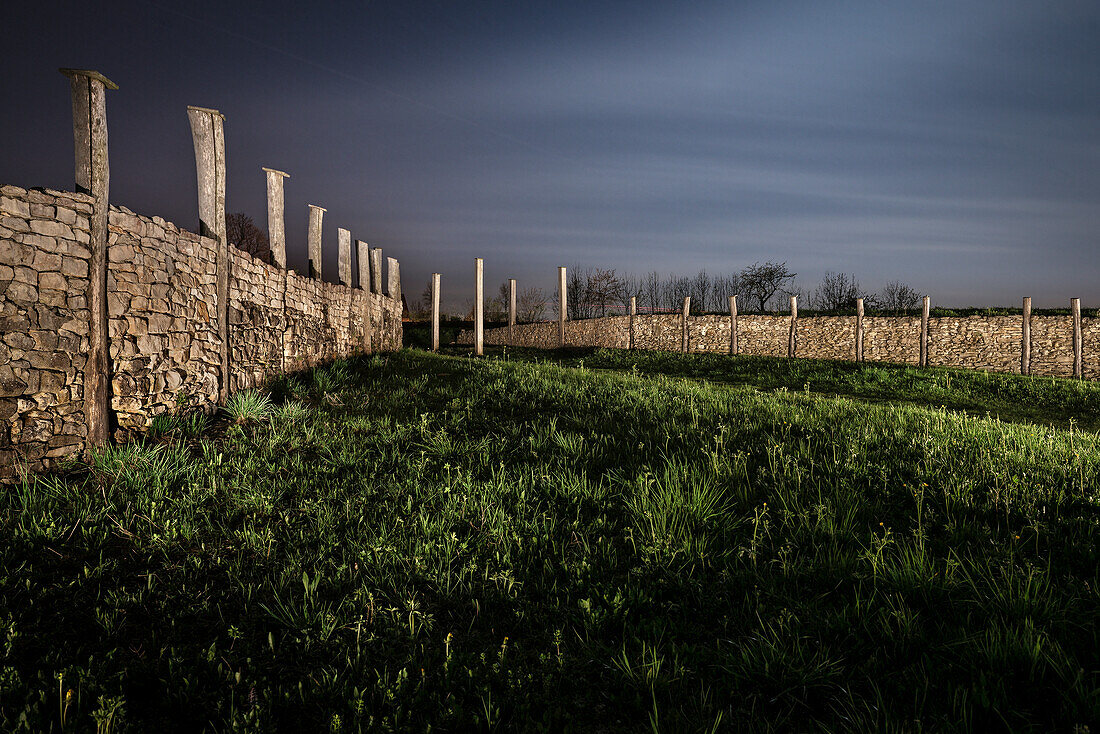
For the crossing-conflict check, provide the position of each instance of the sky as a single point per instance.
(953, 146)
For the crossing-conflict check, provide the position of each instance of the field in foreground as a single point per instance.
(421, 541)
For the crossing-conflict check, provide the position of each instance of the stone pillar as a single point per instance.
(792, 342)
(393, 278)
(276, 222)
(1025, 338)
(479, 307)
(435, 312)
(511, 311)
(343, 261)
(633, 314)
(93, 176)
(208, 136)
(1075, 309)
(859, 329)
(561, 306)
(316, 219)
(924, 331)
(733, 325)
(376, 270)
(362, 257)
(684, 325)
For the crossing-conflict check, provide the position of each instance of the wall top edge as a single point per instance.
(90, 74)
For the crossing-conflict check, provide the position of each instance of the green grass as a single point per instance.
(426, 541)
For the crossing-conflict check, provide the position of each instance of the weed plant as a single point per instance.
(421, 541)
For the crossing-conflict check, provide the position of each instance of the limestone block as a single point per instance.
(22, 292)
(26, 274)
(13, 253)
(43, 340)
(117, 303)
(15, 207)
(53, 280)
(47, 261)
(51, 228)
(159, 323)
(74, 266)
(49, 360)
(15, 224)
(51, 297)
(41, 241)
(150, 344)
(65, 215)
(44, 211)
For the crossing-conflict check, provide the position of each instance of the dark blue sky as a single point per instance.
(951, 145)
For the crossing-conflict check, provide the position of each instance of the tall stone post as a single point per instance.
(561, 306)
(1075, 309)
(479, 307)
(435, 312)
(859, 329)
(733, 325)
(208, 136)
(792, 340)
(362, 257)
(393, 279)
(93, 176)
(633, 315)
(316, 221)
(924, 331)
(376, 270)
(343, 255)
(511, 311)
(1025, 338)
(684, 325)
(276, 221)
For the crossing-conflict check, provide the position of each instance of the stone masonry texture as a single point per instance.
(990, 343)
(162, 321)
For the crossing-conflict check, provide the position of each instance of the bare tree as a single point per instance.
(530, 304)
(242, 232)
(836, 293)
(721, 288)
(604, 289)
(650, 290)
(761, 282)
(897, 298)
(676, 289)
(700, 292)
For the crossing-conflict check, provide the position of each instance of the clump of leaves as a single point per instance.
(163, 425)
(248, 406)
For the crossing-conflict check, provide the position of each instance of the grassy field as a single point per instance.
(619, 542)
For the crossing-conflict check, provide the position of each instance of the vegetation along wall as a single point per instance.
(995, 343)
(163, 337)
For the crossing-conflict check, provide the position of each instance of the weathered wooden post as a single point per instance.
(1025, 338)
(276, 221)
(792, 347)
(561, 306)
(511, 311)
(362, 257)
(479, 307)
(633, 314)
(376, 271)
(208, 136)
(316, 222)
(393, 278)
(684, 325)
(93, 176)
(435, 312)
(343, 256)
(733, 325)
(859, 329)
(924, 331)
(1075, 308)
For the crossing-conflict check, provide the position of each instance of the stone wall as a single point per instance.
(162, 322)
(43, 323)
(991, 343)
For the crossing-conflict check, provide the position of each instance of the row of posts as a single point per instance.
(734, 347)
(92, 168)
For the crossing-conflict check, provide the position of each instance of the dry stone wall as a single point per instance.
(991, 343)
(44, 255)
(162, 322)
